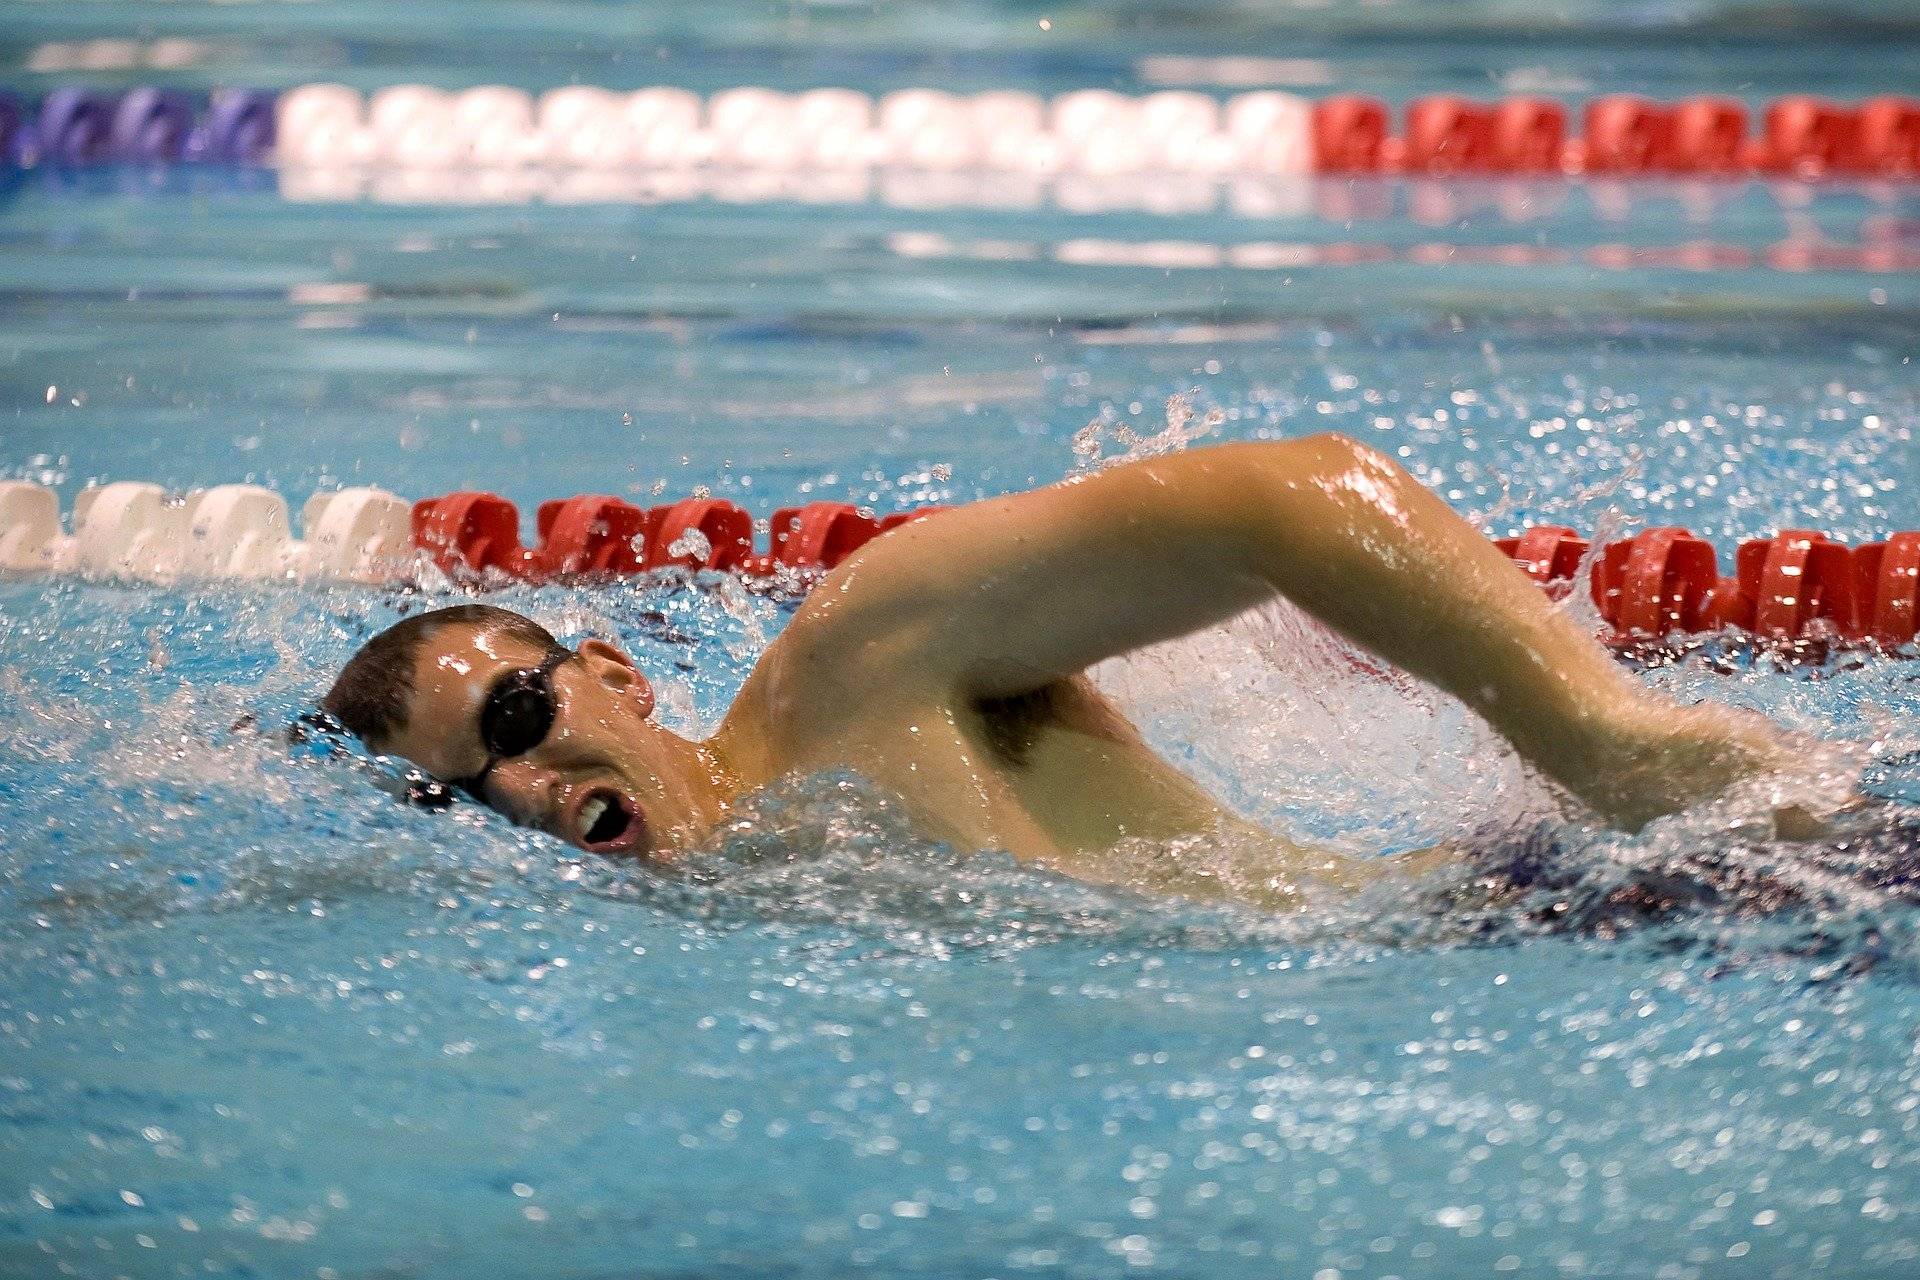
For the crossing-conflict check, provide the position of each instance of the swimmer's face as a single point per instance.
(604, 777)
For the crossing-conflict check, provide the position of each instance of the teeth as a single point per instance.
(590, 812)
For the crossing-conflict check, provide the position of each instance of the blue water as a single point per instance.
(258, 1020)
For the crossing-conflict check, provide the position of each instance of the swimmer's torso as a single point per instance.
(1056, 776)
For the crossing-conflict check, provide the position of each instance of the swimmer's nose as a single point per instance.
(525, 790)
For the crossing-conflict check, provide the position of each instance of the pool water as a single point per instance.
(256, 1019)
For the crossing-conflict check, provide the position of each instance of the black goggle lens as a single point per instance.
(519, 715)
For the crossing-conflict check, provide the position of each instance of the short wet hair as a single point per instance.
(370, 695)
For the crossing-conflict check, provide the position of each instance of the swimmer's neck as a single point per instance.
(707, 784)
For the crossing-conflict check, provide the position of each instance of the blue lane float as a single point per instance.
(11, 126)
(151, 126)
(238, 126)
(74, 127)
(80, 128)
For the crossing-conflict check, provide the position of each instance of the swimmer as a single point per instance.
(945, 661)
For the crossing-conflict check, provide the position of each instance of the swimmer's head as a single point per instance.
(554, 738)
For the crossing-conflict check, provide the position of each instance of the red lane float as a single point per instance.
(1447, 135)
(1809, 137)
(1792, 585)
(1787, 582)
(1622, 135)
(1890, 136)
(1546, 553)
(1708, 136)
(699, 533)
(602, 536)
(590, 535)
(1658, 581)
(469, 532)
(819, 535)
(1627, 135)
(1350, 134)
(1528, 135)
(1886, 589)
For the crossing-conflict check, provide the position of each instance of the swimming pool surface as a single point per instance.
(258, 1020)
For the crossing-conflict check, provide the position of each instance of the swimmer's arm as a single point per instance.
(1003, 596)
(1010, 594)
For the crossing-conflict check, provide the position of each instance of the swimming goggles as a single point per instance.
(515, 718)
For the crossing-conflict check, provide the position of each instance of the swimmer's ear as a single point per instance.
(614, 669)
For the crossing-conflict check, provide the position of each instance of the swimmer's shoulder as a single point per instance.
(861, 635)
(874, 645)
(830, 670)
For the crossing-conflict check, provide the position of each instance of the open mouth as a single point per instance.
(607, 822)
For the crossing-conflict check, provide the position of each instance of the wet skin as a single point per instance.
(944, 662)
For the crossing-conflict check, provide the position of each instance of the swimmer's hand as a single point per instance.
(1663, 759)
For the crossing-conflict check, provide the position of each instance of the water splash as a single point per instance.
(1185, 426)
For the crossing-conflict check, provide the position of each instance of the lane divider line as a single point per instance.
(1798, 585)
(1087, 131)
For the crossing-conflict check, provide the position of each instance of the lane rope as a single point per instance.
(1086, 131)
(1799, 584)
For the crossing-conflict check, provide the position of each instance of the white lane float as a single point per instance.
(139, 531)
(327, 133)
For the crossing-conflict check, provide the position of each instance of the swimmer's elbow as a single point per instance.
(1318, 485)
(1328, 451)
